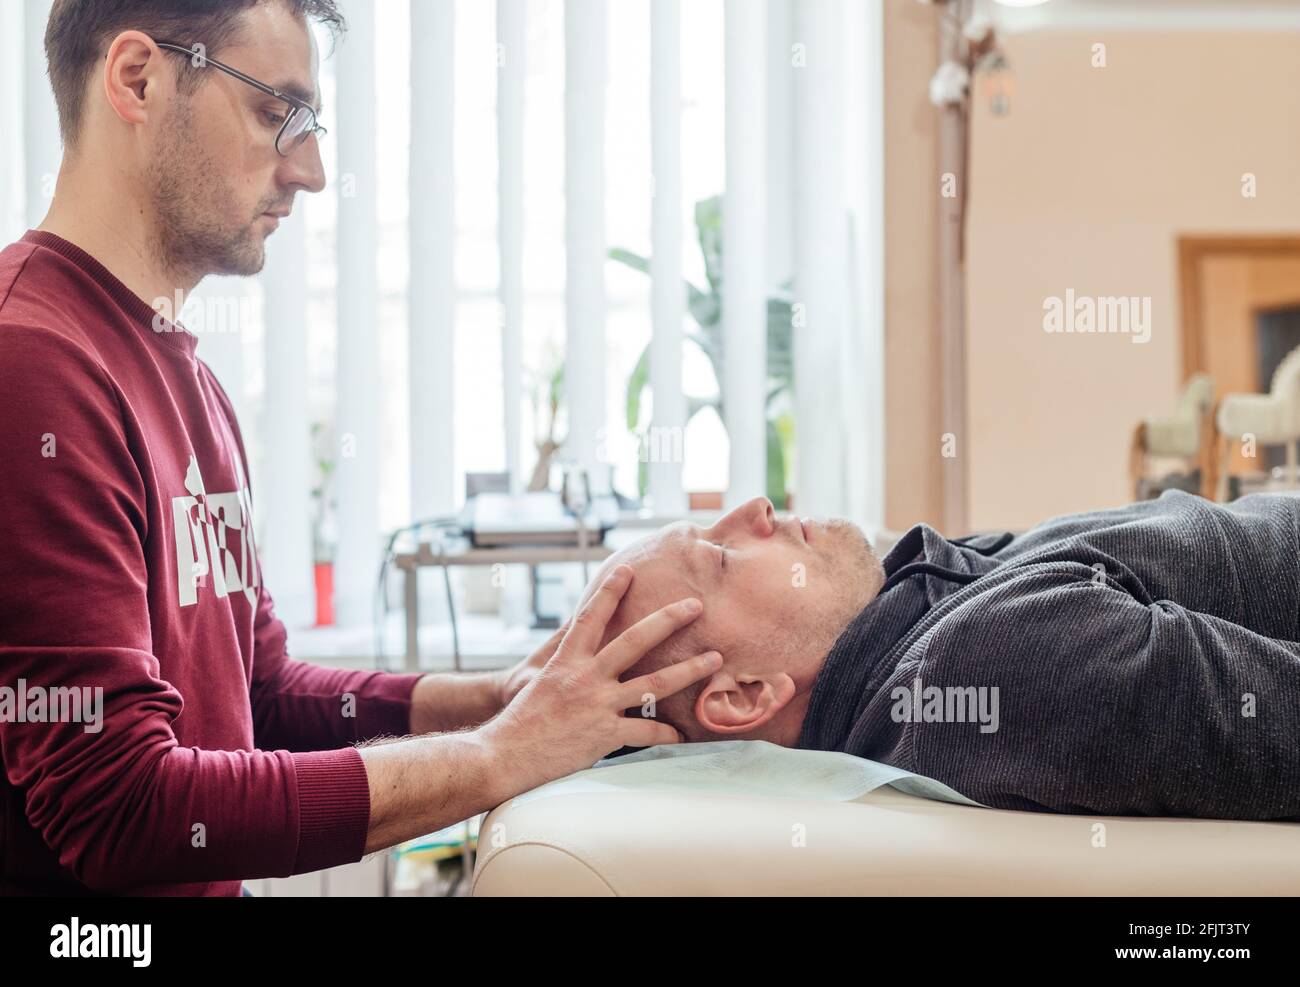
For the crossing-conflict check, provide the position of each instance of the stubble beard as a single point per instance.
(197, 231)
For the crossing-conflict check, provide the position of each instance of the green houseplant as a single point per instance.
(705, 307)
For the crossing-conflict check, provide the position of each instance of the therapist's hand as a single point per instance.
(510, 681)
(570, 714)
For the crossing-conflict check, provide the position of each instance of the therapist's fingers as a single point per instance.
(626, 650)
(583, 637)
(544, 654)
(669, 680)
(648, 733)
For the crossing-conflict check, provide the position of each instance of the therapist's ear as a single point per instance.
(741, 701)
(131, 77)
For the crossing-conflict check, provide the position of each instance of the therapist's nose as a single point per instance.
(302, 167)
(756, 517)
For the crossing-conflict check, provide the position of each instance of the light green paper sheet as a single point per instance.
(744, 768)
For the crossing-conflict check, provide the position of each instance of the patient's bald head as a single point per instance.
(776, 596)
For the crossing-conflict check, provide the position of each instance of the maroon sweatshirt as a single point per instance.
(130, 583)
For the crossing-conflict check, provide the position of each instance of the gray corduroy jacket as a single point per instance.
(1143, 660)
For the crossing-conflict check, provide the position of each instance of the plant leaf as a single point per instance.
(708, 229)
(632, 260)
(775, 467)
(636, 385)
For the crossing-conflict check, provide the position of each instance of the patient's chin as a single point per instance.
(861, 572)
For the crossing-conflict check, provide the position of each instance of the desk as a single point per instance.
(463, 553)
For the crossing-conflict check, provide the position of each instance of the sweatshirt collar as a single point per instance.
(853, 669)
(150, 321)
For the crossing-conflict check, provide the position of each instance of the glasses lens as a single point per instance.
(300, 123)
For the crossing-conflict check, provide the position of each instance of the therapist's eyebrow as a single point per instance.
(301, 92)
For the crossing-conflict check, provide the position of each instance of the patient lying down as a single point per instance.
(1143, 660)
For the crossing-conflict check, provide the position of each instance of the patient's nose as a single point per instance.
(756, 517)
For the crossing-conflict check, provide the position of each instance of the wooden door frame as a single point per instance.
(1194, 249)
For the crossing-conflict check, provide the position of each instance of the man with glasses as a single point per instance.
(155, 734)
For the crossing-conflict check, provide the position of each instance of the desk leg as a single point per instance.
(411, 589)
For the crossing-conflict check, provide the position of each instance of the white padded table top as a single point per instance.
(884, 843)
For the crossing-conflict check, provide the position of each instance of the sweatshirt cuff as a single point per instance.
(386, 708)
(333, 808)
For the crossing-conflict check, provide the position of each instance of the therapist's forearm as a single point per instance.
(419, 785)
(453, 700)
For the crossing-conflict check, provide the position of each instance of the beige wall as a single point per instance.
(1086, 185)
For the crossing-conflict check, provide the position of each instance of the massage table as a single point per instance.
(882, 843)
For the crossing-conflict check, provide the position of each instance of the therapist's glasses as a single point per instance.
(299, 119)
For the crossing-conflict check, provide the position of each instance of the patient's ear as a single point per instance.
(740, 702)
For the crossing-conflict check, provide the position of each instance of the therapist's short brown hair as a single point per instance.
(79, 31)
